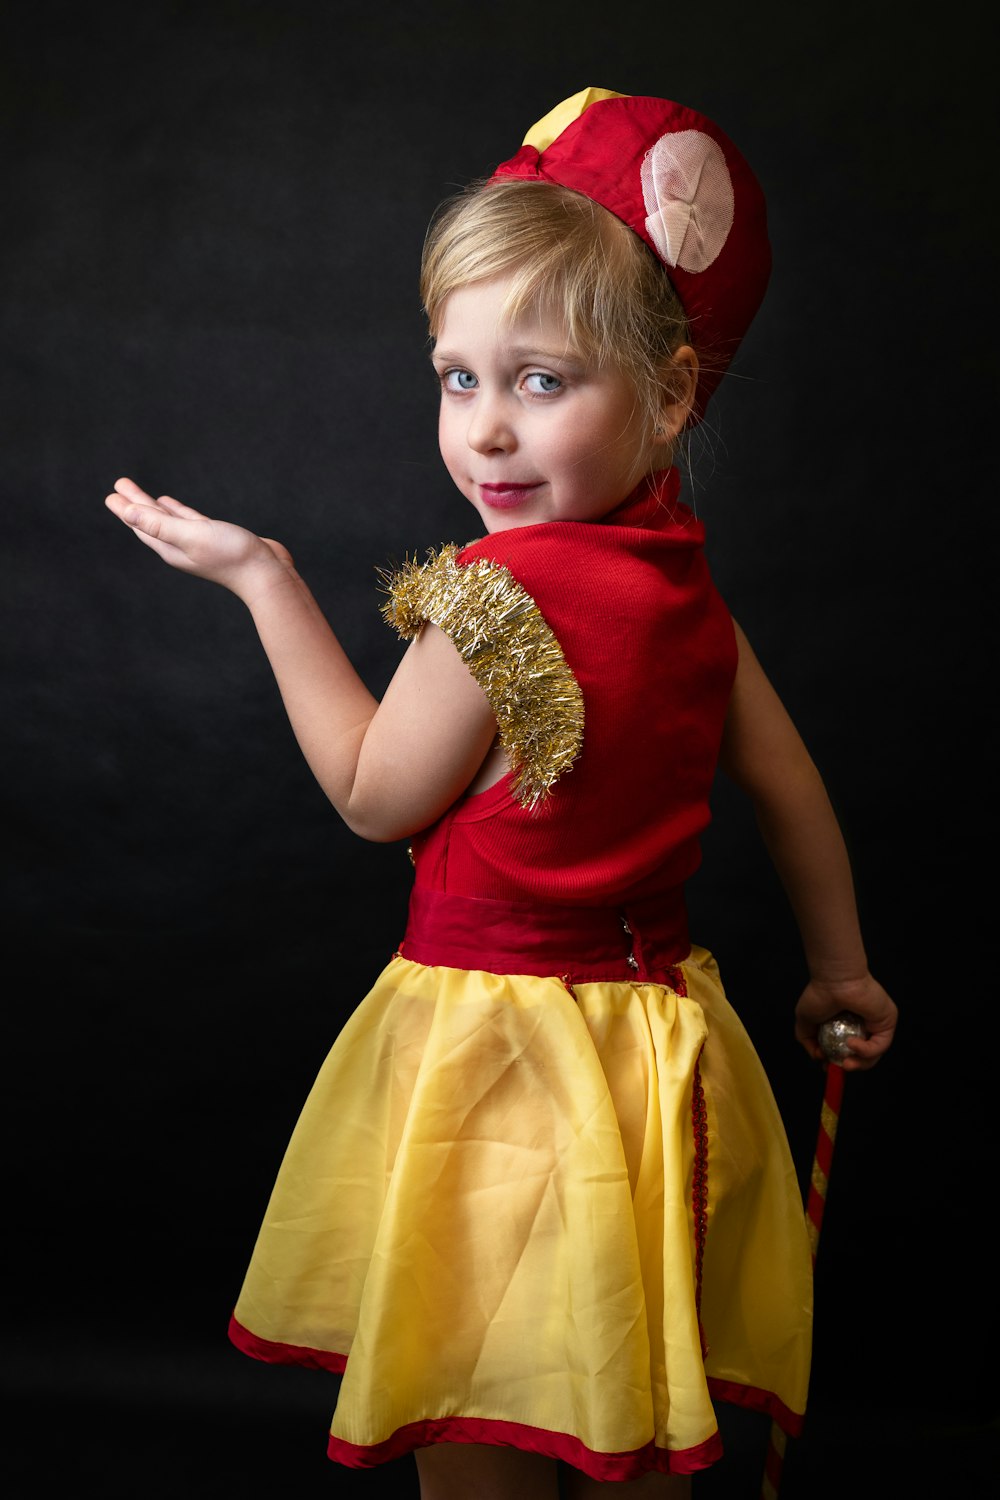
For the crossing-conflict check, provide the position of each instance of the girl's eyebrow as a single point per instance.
(563, 356)
(522, 353)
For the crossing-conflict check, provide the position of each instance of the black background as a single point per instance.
(212, 228)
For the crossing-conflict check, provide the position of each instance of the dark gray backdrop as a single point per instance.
(212, 227)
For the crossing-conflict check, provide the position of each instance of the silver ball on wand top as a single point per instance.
(833, 1035)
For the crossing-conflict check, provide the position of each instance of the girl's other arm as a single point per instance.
(389, 768)
(764, 755)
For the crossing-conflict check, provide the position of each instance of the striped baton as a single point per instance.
(832, 1037)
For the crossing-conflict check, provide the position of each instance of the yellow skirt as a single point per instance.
(562, 1219)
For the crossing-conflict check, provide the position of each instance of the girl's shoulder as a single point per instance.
(510, 648)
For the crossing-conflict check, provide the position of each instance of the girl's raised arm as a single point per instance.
(389, 768)
(764, 754)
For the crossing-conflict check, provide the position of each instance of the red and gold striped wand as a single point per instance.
(832, 1037)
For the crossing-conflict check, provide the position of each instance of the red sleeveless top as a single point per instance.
(652, 647)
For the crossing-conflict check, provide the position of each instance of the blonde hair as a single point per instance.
(561, 248)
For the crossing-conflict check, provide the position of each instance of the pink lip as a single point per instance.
(506, 496)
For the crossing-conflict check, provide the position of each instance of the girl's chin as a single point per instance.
(506, 516)
(504, 520)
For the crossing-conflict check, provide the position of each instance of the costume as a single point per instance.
(540, 1193)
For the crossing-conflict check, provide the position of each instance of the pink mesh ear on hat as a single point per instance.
(673, 177)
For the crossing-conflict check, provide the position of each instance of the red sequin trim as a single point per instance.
(699, 1190)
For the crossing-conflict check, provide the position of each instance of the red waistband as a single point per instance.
(642, 941)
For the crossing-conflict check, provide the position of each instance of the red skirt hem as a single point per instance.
(753, 1399)
(284, 1354)
(560, 1445)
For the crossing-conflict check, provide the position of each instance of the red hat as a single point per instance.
(672, 176)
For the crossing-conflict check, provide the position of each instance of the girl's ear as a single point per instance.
(679, 384)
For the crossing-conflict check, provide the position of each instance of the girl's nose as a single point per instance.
(490, 429)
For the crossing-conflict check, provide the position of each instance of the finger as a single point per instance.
(149, 532)
(131, 491)
(872, 1047)
(176, 508)
(128, 510)
(127, 489)
(863, 1055)
(854, 1064)
(147, 519)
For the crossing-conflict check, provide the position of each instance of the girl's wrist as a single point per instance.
(839, 976)
(261, 576)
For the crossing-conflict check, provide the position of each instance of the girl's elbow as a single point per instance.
(374, 827)
(377, 820)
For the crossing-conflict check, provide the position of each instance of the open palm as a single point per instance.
(217, 550)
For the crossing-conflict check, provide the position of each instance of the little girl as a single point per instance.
(539, 1207)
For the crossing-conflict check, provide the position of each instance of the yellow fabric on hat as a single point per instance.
(545, 130)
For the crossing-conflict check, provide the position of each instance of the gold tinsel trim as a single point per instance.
(502, 637)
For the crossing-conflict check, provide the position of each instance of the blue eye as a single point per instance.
(459, 380)
(544, 385)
